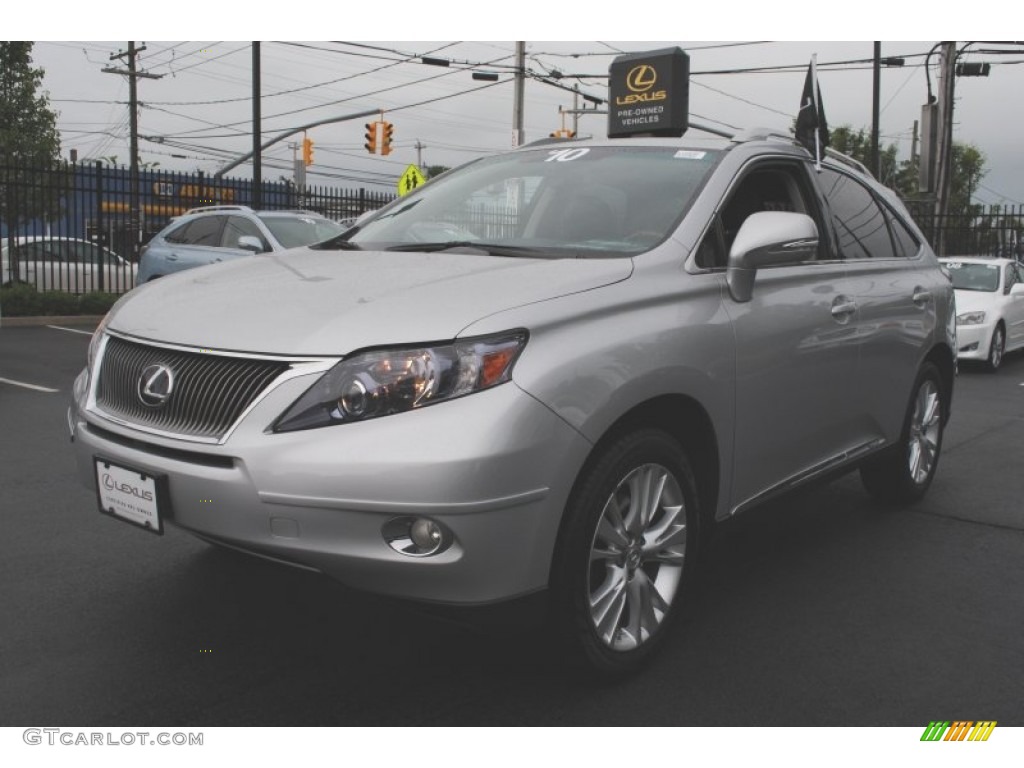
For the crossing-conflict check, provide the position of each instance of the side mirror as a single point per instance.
(1017, 289)
(768, 239)
(250, 243)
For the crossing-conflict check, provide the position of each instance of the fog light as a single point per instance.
(425, 534)
(416, 536)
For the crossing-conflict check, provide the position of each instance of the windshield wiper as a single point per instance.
(337, 243)
(491, 249)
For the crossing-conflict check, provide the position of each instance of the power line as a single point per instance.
(298, 89)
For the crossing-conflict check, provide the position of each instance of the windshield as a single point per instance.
(552, 201)
(295, 231)
(974, 277)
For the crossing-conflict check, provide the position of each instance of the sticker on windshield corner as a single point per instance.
(690, 154)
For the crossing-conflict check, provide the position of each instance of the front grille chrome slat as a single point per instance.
(209, 395)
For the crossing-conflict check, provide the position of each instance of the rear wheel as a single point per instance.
(904, 472)
(626, 551)
(996, 349)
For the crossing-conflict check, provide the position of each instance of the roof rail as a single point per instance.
(759, 133)
(205, 208)
(847, 160)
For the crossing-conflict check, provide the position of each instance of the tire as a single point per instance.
(902, 473)
(996, 349)
(619, 574)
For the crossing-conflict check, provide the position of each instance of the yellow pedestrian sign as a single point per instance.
(409, 180)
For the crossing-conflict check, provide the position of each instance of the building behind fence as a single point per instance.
(93, 203)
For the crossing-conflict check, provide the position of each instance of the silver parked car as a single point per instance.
(550, 369)
(223, 232)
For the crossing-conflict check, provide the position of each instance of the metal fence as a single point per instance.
(87, 234)
(74, 228)
(995, 230)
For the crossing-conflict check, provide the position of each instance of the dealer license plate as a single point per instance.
(128, 494)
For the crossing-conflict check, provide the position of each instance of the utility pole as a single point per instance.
(257, 158)
(575, 113)
(299, 171)
(944, 152)
(420, 146)
(132, 73)
(518, 139)
(913, 148)
(913, 142)
(876, 80)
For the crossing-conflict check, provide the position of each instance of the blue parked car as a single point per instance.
(223, 232)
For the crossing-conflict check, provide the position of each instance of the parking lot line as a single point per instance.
(27, 386)
(70, 330)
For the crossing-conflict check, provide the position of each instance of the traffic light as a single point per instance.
(307, 151)
(371, 138)
(385, 148)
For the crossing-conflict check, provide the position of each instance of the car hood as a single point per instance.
(306, 302)
(974, 301)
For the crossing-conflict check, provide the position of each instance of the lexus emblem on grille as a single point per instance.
(155, 385)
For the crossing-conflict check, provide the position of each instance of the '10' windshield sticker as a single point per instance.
(565, 155)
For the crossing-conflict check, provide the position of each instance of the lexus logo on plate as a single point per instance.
(155, 385)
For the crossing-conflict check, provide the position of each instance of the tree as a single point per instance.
(30, 185)
(431, 171)
(968, 167)
(28, 127)
(858, 146)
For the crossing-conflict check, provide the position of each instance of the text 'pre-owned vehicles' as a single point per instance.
(550, 369)
(989, 306)
(224, 232)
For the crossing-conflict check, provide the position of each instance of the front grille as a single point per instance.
(210, 391)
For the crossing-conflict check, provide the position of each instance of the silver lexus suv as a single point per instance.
(551, 369)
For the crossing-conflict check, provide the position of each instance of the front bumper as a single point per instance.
(494, 467)
(973, 341)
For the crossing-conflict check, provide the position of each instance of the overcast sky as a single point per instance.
(198, 115)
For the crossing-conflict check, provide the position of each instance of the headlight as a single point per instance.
(94, 342)
(383, 382)
(970, 318)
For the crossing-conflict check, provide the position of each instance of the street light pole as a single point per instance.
(292, 132)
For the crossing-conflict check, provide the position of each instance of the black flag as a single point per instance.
(811, 127)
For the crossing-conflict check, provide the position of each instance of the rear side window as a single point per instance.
(860, 223)
(43, 251)
(204, 230)
(906, 244)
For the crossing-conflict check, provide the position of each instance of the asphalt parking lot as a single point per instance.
(819, 609)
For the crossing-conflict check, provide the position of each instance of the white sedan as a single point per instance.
(989, 307)
(65, 264)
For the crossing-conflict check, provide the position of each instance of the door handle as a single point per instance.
(842, 308)
(921, 297)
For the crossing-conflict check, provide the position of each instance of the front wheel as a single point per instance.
(903, 473)
(996, 349)
(626, 551)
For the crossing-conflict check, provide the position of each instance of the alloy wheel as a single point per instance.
(925, 426)
(636, 557)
